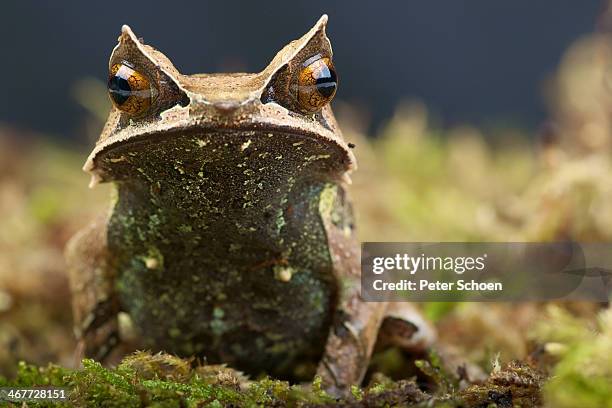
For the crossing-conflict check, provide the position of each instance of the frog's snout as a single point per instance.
(226, 107)
(223, 109)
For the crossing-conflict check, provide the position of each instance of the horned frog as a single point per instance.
(230, 235)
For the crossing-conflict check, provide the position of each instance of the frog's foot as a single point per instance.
(106, 340)
(405, 327)
(97, 342)
(358, 328)
(350, 344)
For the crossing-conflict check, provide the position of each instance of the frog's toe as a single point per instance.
(405, 327)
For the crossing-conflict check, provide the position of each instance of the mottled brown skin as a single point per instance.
(230, 235)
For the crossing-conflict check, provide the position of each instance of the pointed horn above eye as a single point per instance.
(313, 42)
(318, 30)
(125, 29)
(132, 49)
(322, 21)
(129, 43)
(159, 78)
(132, 46)
(128, 35)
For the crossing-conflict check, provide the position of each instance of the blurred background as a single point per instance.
(474, 120)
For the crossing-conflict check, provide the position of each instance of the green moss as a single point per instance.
(583, 375)
(28, 375)
(161, 380)
(51, 375)
(141, 380)
(516, 385)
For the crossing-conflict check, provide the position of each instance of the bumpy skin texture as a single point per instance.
(217, 242)
(230, 236)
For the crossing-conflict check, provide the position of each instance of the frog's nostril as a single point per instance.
(226, 107)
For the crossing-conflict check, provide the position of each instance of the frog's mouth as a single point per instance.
(192, 150)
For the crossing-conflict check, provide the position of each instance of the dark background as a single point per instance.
(478, 61)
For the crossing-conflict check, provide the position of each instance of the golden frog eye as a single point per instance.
(317, 83)
(129, 90)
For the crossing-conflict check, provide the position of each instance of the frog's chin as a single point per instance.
(190, 149)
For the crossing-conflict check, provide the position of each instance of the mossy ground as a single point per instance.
(161, 380)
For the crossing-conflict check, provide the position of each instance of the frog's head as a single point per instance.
(154, 104)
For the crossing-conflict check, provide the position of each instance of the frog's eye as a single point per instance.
(317, 83)
(130, 90)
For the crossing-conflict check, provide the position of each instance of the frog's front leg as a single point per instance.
(350, 343)
(360, 325)
(355, 326)
(95, 303)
